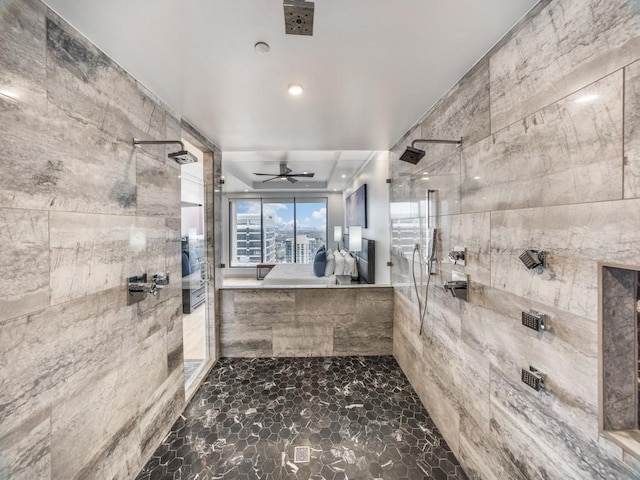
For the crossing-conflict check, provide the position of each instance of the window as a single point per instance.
(287, 230)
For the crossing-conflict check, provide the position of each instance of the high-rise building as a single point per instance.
(305, 249)
(248, 241)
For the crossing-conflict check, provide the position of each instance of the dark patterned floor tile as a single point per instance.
(358, 415)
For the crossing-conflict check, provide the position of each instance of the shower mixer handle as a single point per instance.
(453, 285)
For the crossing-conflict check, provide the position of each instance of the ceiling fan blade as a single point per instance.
(269, 179)
(268, 174)
(301, 175)
(291, 179)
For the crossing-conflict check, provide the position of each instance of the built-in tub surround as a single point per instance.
(88, 385)
(549, 122)
(313, 321)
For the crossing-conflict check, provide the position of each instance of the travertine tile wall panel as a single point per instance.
(26, 452)
(306, 321)
(576, 237)
(83, 210)
(22, 36)
(86, 84)
(463, 113)
(24, 234)
(339, 301)
(91, 253)
(632, 131)
(78, 433)
(568, 45)
(158, 185)
(530, 425)
(117, 460)
(53, 162)
(510, 347)
(245, 342)
(161, 408)
(302, 340)
(481, 454)
(551, 175)
(569, 152)
(69, 331)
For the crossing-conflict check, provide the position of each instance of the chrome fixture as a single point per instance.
(138, 287)
(458, 286)
(457, 256)
(182, 156)
(298, 17)
(534, 320)
(533, 258)
(414, 155)
(534, 378)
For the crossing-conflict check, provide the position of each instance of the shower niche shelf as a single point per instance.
(618, 351)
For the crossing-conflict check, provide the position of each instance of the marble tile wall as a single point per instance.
(88, 385)
(549, 121)
(301, 322)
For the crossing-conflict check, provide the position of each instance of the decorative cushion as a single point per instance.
(320, 262)
(339, 259)
(350, 266)
(331, 264)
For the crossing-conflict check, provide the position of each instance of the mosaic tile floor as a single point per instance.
(359, 417)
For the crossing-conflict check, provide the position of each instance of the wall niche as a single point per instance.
(619, 353)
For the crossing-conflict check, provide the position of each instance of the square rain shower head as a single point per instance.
(298, 17)
(412, 155)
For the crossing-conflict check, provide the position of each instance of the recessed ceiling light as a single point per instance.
(476, 178)
(305, 172)
(335, 189)
(295, 89)
(262, 47)
(426, 178)
(425, 173)
(246, 190)
(344, 176)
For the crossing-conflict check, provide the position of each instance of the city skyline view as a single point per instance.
(311, 215)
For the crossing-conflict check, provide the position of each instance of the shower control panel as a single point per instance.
(534, 378)
(457, 256)
(534, 320)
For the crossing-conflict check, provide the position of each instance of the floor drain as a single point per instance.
(301, 455)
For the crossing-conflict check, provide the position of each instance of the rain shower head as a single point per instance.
(181, 156)
(414, 155)
(298, 17)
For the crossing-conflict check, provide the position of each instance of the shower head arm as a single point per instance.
(137, 142)
(430, 140)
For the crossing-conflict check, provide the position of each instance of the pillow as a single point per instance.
(331, 264)
(350, 266)
(339, 260)
(319, 262)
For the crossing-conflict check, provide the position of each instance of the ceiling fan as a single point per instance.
(285, 174)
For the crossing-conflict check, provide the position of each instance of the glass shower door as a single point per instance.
(195, 272)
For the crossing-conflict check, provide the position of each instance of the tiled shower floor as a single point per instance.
(359, 416)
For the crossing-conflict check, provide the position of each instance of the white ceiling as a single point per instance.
(370, 70)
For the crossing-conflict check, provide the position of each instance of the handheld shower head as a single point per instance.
(183, 157)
